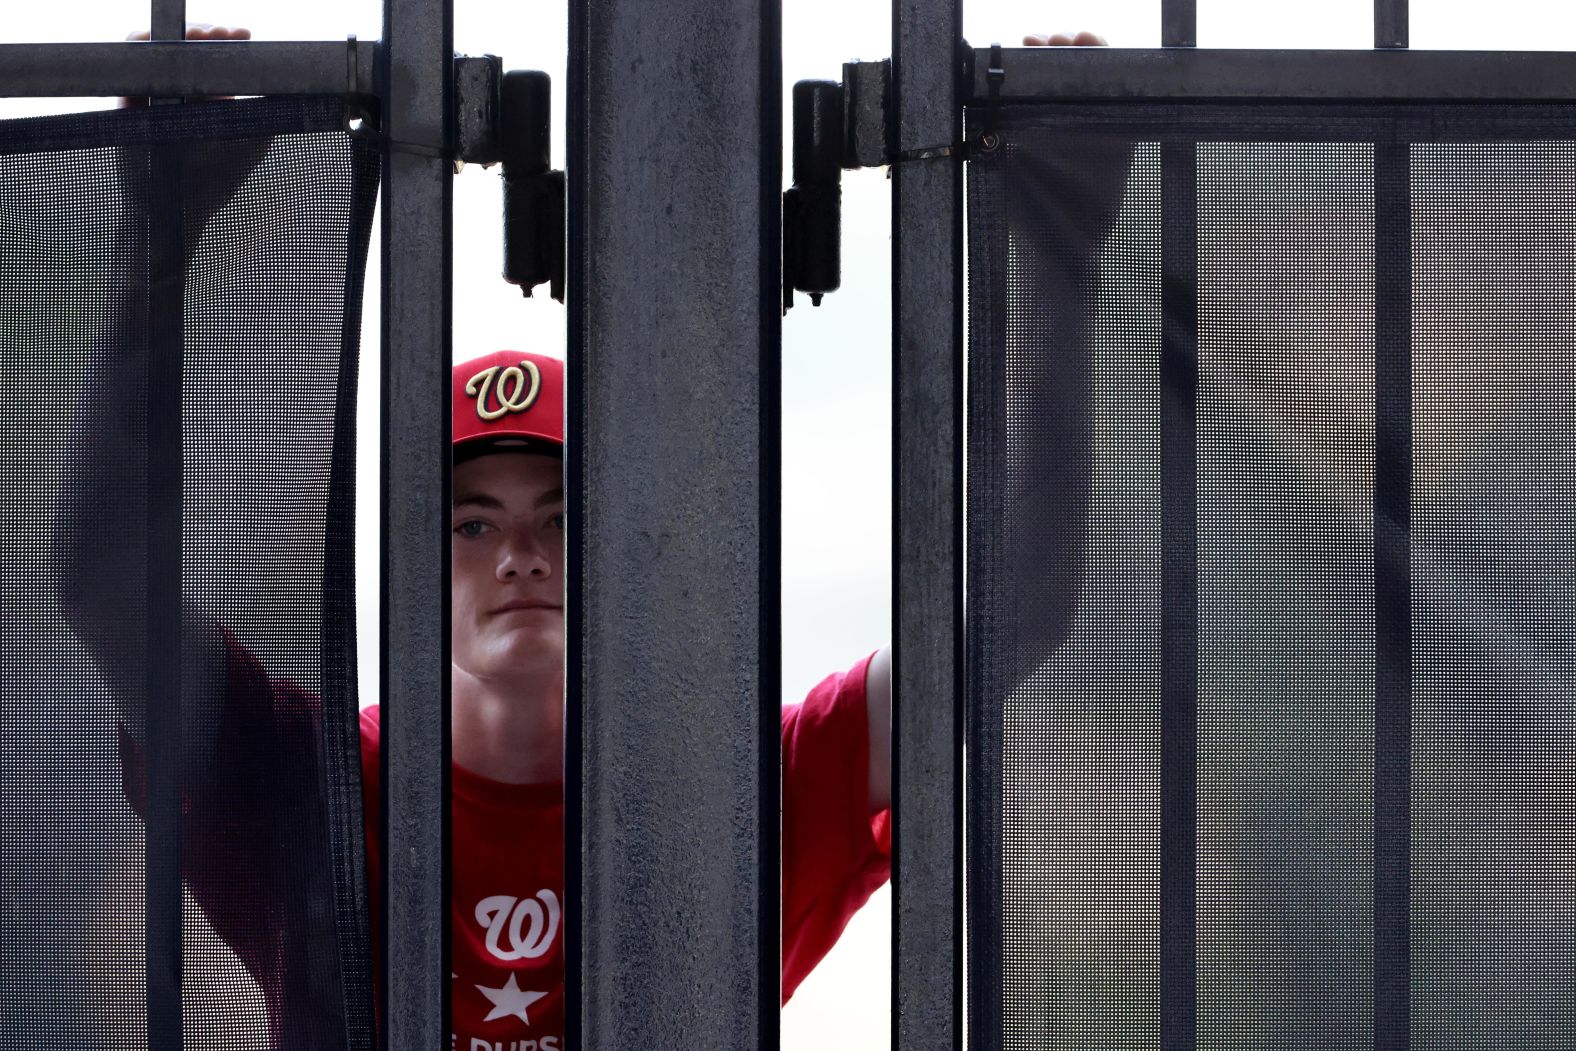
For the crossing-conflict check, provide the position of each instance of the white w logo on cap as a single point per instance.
(514, 391)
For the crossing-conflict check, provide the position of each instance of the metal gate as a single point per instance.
(675, 279)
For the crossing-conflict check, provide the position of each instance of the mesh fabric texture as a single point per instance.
(274, 202)
(1272, 578)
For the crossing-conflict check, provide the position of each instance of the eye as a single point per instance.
(472, 528)
(558, 521)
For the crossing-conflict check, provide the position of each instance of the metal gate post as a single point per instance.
(927, 548)
(417, 57)
(673, 690)
(164, 697)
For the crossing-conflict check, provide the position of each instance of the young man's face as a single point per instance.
(507, 565)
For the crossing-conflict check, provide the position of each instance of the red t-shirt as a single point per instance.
(507, 870)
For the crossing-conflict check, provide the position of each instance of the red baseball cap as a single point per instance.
(509, 400)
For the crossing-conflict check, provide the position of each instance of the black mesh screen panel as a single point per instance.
(1285, 700)
(1494, 593)
(180, 297)
(1272, 578)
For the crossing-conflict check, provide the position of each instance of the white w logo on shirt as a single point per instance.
(505, 914)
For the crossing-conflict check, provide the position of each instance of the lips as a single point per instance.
(508, 607)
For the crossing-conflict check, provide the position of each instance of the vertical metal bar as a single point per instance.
(1391, 18)
(675, 306)
(1179, 23)
(576, 144)
(162, 812)
(417, 228)
(165, 650)
(987, 238)
(1392, 527)
(1179, 588)
(169, 20)
(927, 573)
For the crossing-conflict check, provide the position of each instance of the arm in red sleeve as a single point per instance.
(246, 797)
(835, 855)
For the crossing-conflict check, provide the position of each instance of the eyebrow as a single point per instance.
(552, 496)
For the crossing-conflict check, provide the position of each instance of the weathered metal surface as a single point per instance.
(867, 97)
(1391, 23)
(675, 298)
(1071, 74)
(417, 229)
(191, 68)
(478, 84)
(1178, 23)
(927, 574)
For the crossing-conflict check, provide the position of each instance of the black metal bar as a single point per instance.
(673, 465)
(1179, 587)
(169, 20)
(478, 89)
(1390, 23)
(867, 90)
(1077, 73)
(577, 145)
(988, 237)
(577, 111)
(927, 548)
(1178, 23)
(166, 650)
(166, 281)
(192, 68)
(1392, 527)
(417, 61)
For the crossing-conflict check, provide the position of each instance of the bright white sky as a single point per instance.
(836, 359)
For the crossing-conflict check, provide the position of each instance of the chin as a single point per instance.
(528, 651)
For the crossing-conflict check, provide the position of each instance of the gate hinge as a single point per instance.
(835, 126)
(507, 117)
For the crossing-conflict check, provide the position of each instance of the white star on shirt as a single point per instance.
(509, 1000)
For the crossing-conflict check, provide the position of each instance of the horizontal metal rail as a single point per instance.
(188, 68)
(1051, 74)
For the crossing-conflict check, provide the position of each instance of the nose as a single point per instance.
(523, 554)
